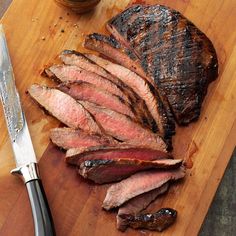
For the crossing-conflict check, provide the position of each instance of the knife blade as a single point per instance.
(25, 158)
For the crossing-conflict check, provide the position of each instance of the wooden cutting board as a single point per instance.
(36, 32)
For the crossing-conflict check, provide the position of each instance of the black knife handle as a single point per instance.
(43, 223)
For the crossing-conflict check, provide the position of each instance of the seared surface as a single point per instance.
(106, 170)
(178, 56)
(64, 108)
(159, 220)
(123, 128)
(78, 155)
(137, 184)
(135, 205)
(67, 138)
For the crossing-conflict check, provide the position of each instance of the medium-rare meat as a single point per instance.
(172, 51)
(64, 108)
(106, 170)
(123, 128)
(88, 92)
(66, 73)
(137, 184)
(78, 59)
(77, 155)
(159, 220)
(144, 89)
(68, 138)
(135, 205)
(111, 48)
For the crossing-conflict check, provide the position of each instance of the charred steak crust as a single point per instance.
(173, 51)
(159, 220)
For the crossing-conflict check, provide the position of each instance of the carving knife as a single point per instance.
(26, 162)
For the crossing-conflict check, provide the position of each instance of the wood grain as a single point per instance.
(34, 39)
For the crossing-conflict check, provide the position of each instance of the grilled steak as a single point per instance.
(171, 50)
(67, 138)
(144, 90)
(135, 205)
(78, 155)
(159, 220)
(78, 59)
(87, 92)
(106, 170)
(64, 108)
(123, 128)
(137, 184)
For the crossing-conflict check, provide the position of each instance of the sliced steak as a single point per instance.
(64, 108)
(68, 138)
(111, 48)
(78, 59)
(123, 128)
(88, 92)
(78, 155)
(135, 205)
(171, 50)
(137, 184)
(145, 90)
(159, 220)
(66, 73)
(107, 171)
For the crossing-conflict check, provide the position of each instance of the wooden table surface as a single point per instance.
(3, 6)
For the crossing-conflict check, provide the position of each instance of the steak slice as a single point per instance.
(145, 90)
(111, 48)
(171, 50)
(123, 128)
(159, 220)
(66, 73)
(135, 205)
(137, 184)
(78, 59)
(68, 138)
(88, 92)
(107, 171)
(64, 108)
(77, 155)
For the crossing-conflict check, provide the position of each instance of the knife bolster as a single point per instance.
(27, 172)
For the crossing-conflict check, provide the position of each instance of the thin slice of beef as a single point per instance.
(135, 205)
(64, 108)
(72, 57)
(111, 48)
(123, 128)
(68, 138)
(172, 51)
(66, 73)
(145, 90)
(84, 91)
(77, 155)
(78, 59)
(137, 184)
(107, 170)
(158, 221)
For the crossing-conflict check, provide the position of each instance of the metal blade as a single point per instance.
(16, 123)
